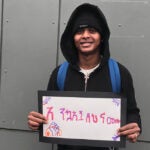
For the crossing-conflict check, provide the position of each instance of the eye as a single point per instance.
(92, 30)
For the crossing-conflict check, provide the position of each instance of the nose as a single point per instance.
(85, 34)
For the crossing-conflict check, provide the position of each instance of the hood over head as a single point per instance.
(85, 15)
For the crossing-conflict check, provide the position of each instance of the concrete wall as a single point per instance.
(30, 50)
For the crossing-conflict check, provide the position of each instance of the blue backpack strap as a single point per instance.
(113, 69)
(61, 75)
(115, 76)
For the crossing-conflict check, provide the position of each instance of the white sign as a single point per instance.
(82, 118)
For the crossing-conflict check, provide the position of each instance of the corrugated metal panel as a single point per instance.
(136, 146)
(1, 8)
(17, 140)
(28, 56)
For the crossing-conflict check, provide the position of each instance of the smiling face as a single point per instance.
(87, 40)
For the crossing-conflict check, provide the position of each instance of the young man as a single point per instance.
(85, 45)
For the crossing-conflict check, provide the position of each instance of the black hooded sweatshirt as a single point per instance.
(99, 80)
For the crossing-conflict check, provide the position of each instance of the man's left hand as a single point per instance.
(131, 131)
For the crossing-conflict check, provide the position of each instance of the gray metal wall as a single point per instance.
(31, 32)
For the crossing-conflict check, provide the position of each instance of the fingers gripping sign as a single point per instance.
(131, 131)
(35, 119)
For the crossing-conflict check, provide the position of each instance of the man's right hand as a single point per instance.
(35, 119)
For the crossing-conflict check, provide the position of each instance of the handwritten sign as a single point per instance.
(76, 117)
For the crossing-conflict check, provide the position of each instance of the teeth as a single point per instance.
(86, 42)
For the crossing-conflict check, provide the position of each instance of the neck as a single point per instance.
(89, 61)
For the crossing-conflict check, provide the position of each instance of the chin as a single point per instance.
(87, 52)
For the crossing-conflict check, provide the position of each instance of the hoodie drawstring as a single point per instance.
(86, 77)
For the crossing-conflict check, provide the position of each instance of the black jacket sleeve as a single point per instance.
(128, 90)
(52, 84)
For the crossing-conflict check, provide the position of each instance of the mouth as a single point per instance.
(86, 44)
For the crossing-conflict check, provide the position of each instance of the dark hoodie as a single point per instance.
(67, 44)
(99, 80)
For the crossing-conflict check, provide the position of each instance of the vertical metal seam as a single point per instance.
(58, 32)
(1, 36)
(58, 41)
